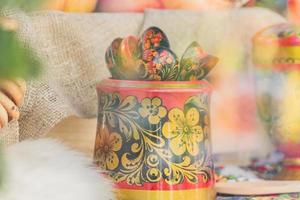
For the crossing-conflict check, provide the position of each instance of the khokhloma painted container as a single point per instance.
(276, 55)
(153, 139)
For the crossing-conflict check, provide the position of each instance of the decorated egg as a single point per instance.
(70, 5)
(112, 58)
(129, 57)
(129, 52)
(150, 58)
(128, 5)
(160, 64)
(195, 63)
(153, 37)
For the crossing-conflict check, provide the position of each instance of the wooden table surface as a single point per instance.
(77, 133)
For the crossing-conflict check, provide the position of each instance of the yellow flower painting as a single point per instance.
(107, 146)
(184, 131)
(152, 109)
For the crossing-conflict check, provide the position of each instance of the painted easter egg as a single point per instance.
(129, 58)
(195, 64)
(160, 64)
(153, 37)
(129, 52)
(128, 5)
(70, 5)
(112, 58)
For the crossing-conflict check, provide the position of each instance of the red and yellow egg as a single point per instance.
(70, 5)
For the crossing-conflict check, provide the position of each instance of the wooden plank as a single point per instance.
(77, 133)
(258, 187)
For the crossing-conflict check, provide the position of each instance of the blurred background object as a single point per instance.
(140, 5)
(278, 6)
(294, 11)
(277, 59)
(70, 5)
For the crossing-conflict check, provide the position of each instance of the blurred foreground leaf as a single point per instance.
(26, 5)
(279, 6)
(15, 60)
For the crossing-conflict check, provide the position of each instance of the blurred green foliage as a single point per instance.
(15, 59)
(26, 5)
(279, 6)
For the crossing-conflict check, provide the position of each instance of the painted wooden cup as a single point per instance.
(277, 59)
(153, 139)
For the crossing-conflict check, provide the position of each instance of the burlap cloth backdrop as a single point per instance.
(72, 48)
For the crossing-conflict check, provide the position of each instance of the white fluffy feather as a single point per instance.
(46, 170)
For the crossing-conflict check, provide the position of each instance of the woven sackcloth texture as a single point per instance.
(72, 49)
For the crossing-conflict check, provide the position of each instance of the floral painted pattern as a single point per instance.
(184, 131)
(153, 110)
(154, 37)
(195, 63)
(141, 141)
(160, 64)
(107, 146)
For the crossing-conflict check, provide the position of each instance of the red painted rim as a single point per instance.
(261, 38)
(160, 85)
